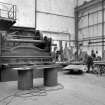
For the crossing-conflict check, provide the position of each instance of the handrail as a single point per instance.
(10, 12)
(5, 3)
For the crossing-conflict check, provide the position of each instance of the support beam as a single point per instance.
(44, 12)
(90, 13)
(54, 32)
(35, 15)
(76, 31)
(89, 5)
(103, 29)
(82, 28)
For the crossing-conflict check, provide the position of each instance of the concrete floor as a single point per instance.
(85, 89)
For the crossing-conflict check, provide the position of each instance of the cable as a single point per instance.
(5, 98)
(37, 91)
(10, 101)
(31, 93)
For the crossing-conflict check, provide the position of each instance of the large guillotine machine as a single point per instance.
(25, 54)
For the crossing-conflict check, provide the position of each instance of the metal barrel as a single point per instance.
(50, 77)
(25, 79)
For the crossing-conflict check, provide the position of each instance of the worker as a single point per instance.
(80, 55)
(58, 55)
(67, 53)
(47, 44)
(98, 57)
(93, 55)
(54, 54)
(89, 63)
(85, 58)
(76, 55)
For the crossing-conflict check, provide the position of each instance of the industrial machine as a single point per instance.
(22, 54)
(21, 51)
(17, 50)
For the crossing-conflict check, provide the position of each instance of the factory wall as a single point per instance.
(91, 27)
(55, 23)
(80, 2)
(45, 22)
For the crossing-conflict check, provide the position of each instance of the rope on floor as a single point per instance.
(37, 91)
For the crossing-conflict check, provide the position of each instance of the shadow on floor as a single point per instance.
(72, 72)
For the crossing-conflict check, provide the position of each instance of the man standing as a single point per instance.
(93, 55)
(89, 63)
(90, 60)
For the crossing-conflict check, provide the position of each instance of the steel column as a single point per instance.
(35, 15)
(76, 31)
(103, 29)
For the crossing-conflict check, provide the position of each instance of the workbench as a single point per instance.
(25, 75)
(100, 66)
(77, 63)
